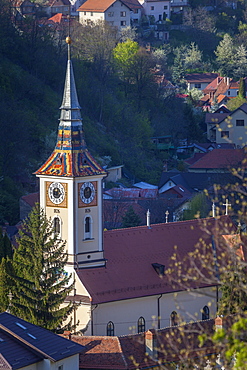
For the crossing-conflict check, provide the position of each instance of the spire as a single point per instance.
(70, 156)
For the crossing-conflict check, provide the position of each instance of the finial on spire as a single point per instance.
(68, 38)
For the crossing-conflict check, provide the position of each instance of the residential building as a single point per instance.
(228, 127)
(199, 80)
(178, 6)
(158, 9)
(119, 13)
(120, 275)
(58, 6)
(26, 346)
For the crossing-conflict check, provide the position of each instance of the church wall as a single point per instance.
(125, 314)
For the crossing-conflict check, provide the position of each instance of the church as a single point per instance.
(120, 276)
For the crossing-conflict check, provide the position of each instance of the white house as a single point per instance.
(118, 13)
(159, 9)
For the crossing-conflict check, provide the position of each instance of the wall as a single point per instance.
(237, 134)
(125, 314)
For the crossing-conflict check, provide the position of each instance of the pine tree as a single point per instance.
(40, 283)
(5, 246)
(5, 284)
(242, 88)
(131, 219)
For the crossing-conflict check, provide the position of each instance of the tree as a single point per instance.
(242, 88)
(124, 54)
(131, 219)
(235, 103)
(197, 208)
(225, 55)
(193, 57)
(5, 284)
(40, 282)
(5, 246)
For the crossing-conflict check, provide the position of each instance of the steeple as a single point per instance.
(70, 157)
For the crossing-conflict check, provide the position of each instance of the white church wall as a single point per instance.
(125, 314)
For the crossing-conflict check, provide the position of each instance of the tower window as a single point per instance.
(110, 329)
(174, 318)
(57, 226)
(88, 228)
(205, 313)
(141, 325)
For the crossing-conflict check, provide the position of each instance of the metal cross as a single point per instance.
(227, 206)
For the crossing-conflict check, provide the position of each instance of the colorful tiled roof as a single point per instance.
(70, 157)
(130, 253)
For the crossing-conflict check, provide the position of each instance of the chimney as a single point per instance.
(218, 80)
(151, 344)
(148, 218)
(218, 323)
(228, 81)
(67, 334)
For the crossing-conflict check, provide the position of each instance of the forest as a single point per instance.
(123, 104)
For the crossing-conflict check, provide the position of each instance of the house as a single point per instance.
(220, 161)
(228, 127)
(118, 13)
(159, 10)
(178, 6)
(151, 349)
(114, 173)
(26, 346)
(221, 89)
(199, 80)
(58, 6)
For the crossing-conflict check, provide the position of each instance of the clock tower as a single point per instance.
(71, 185)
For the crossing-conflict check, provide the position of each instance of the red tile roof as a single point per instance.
(99, 6)
(31, 199)
(220, 159)
(125, 352)
(130, 253)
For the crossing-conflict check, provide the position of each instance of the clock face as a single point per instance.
(87, 192)
(56, 192)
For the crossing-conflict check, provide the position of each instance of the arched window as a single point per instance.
(110, 329)
(141, 325)
(88, 228)
(205, 313)
(57, 226)
(174, 318)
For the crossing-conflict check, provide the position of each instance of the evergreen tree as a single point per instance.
(5, 284)
(5, 246)
(242, 89)
(40, 282)
(225, 55)
(131, 219)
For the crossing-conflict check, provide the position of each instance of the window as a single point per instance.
(239, 122)
(165, 7)
(174, 318)
(85, 13)
(224, 133)
(205, 313)
(110, 329)
(122, 14)
(141, 325)
(88, 228)
(152, 7)
(57, 226)
(123, 23)
(228, 92)
(60, 367)
(136, 11)
(110, 14)
(198, 86)
(91, 14)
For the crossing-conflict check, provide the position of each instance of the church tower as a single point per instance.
(71, 185)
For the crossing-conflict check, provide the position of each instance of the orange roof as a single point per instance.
(99, 6)
(57, 18)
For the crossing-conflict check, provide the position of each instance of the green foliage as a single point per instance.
(242, 88)
(130, 219)
(5, 283)
(235, 103)
(5, 246)
(40, 282)
(198, 207)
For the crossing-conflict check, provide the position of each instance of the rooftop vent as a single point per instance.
(159, 268)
